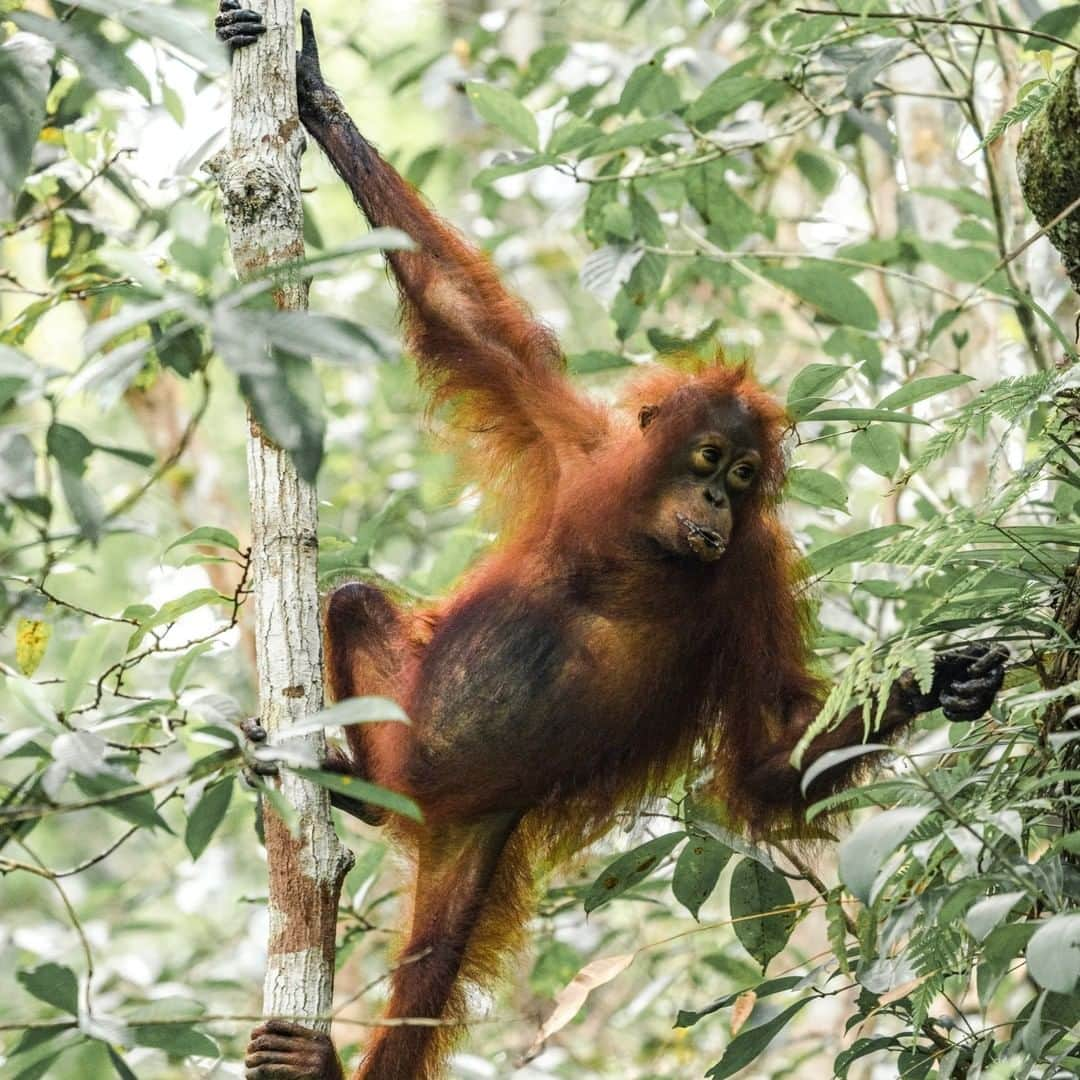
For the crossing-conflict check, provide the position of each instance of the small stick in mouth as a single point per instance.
(696, 531)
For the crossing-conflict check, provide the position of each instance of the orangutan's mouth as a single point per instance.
(705, 543)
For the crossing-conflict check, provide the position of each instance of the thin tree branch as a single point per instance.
(942, 20)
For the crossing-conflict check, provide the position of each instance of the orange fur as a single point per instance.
(641, 617)
(592, 657)
(724, 645)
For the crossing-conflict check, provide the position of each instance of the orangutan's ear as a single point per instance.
(646, 415)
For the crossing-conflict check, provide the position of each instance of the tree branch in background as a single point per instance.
(196, 491)
(942, 20)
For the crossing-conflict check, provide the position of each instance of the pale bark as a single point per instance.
(260, 182)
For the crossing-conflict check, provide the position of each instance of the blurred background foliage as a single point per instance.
(832, 195)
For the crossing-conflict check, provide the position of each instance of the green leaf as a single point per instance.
(1023, 110)
(864, 852)
(512, 165)
(120, 1065)
(837, 297)
(25, 81)
(818, 172)
(287, 405)
(697, 871)
(501, 108)
(861, 416)
(650, 90)
(851, 549)
(542, 64)
(172, 25)
(630, 869)
(640, 134)
(136, 457)
(208, 814)
(729, 217)
(179, 673)
(861, 78)
(702, 342)
(181, 1040)
(878, 448)
(136, 809)
(284, 809)
(101, 63)
(862, 1048)
(572, 134)
(816, 488)
(1060, 21)
(983, 916)
(749, 1044)
(618, 221)
(361, 790)
(17, 466)
(40, 1066)
(965, 199)
(595, 360)
(172, 611)
(998, 955)
(941, 324)
(208, 535)
(970, 264)
(762, 989)
(813, 384)
(758, 891)
(727, 93)
(54, 984)
(921, 389)
(33, 1039)
(69, 446)
(16, 373)
(311, 333)
(832, 758)
(1053, 953)
(647, 223)
(84, 504)
(357, 710)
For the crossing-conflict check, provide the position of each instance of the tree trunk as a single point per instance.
(260, 182)
(1048, 162)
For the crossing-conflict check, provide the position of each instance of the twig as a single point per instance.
(715, 254)
(53, 598)
(1017, 252)
(806, 872)
(44, 810)
(240, 1018)
(76, 924)
(719, 151)
(168, 462)
(48, 212)
(942, 20)
(101, 856)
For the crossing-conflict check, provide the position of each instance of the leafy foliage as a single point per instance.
(662, 178)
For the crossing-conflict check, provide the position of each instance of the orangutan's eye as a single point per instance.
(704, 459)
(742, 476)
